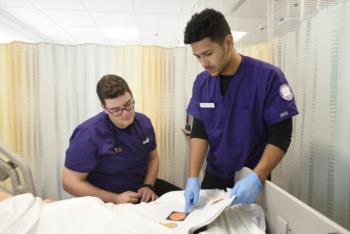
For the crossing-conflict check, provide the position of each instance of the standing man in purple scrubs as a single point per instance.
(242, 109)
(113, 155)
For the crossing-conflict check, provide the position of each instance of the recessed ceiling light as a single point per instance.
(121, 33)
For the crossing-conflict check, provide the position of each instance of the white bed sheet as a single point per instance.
(91, 215)
(239, 219)
(20, 214)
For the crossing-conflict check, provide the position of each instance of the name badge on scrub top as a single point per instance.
(145, 141)
(207, 105)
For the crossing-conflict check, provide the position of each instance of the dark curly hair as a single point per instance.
(111, 86)
(208, 23)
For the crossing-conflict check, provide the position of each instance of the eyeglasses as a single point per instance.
(119, 111)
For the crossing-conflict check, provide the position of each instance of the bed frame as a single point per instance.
(14, 168)
(285, 214)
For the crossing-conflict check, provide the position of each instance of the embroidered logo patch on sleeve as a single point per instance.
(286, 92)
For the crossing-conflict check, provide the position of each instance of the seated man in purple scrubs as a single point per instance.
(113, 155)
(242, 108)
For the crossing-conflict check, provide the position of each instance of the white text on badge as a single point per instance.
(207, 105)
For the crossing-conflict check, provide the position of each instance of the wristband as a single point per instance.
(148, 186)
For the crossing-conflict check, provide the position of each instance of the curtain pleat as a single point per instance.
(47, 90)
(315, 60)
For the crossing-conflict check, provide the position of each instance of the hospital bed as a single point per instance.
(284, 213)
(14, 168)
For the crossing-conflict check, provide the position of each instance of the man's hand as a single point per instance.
(128, 197)
(191, 193)
(246, 189)
(146, 194)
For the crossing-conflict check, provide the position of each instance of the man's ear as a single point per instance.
(229, 41)
(104, 108)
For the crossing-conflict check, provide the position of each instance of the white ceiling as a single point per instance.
(160, 22)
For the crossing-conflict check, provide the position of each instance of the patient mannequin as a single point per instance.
(24, 213)
(4, 196)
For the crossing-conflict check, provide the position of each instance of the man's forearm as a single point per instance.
(198, 151)
(84, 188)
(272, 155)
(152, 168)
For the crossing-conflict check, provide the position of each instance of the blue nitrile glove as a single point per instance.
(246, 189)
(191, 193)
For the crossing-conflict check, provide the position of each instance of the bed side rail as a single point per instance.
(10, 168)
(285, 214)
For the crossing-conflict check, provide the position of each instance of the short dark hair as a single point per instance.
(208, 23)
(111, 86)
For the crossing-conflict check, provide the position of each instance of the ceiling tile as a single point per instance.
(61, 4)
(108, 19)
(108, 5)
(87, 35)
(182, 22)
(15, 3)
(247, 8)
(189, 6)
(158, 6)
(60, 20)
(251, 8)
(166, 38)
(224, 6)
(8, 36)
(149, 21)
(67, 18)
(29, 16)
(245, 24)
(10, 31)
(57, 34)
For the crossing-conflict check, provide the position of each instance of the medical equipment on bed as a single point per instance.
(14, 167)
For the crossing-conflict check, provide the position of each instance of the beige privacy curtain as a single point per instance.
(47, 90)
(261, 51)
(17, 100)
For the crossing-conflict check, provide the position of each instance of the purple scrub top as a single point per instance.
(236, 124)
(91, 150)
